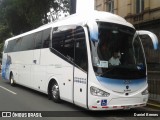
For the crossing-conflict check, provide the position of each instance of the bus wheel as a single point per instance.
(54, 92)
(12, 80)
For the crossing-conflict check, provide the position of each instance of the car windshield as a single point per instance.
(118, 52)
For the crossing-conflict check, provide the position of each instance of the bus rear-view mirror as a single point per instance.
(152, 36)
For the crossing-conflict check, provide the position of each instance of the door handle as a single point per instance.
(34, 61)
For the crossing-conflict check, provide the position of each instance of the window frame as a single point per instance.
(31, 35)
(110, 6)
(48, 39)
(25, 39)
(76, 38)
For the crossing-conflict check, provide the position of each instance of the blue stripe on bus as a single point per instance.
(120, 82)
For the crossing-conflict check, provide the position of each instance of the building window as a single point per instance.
(110, 6)
(139, 6)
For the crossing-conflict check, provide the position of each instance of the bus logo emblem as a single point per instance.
(127, 87)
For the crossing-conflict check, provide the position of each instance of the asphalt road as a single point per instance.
(22, 99)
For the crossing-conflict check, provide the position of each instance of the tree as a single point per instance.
(23, 15)
(19, 16)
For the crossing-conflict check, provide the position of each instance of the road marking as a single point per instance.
(8, 90)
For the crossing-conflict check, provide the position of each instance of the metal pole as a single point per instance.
(73, 6)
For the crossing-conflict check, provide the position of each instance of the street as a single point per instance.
(21, 99)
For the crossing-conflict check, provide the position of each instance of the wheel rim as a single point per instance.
(55, 91)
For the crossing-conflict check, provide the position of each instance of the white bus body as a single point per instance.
(64, 60)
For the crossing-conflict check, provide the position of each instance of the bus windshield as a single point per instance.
(118, 54)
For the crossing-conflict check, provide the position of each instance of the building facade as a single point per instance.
(144, 15)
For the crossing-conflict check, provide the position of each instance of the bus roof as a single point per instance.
(81, 19)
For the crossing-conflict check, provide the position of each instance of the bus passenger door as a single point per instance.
(80, 68)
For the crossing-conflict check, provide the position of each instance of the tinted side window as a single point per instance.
(38, 40)
(27, 42)
(10, 46)
(80, 48)
(63, 42)
(46, 38)
(17, 45)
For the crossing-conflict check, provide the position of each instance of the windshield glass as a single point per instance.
(118, 53)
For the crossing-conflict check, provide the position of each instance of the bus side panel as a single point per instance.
(6, 61)
(25, 63)
(38, 72)
(14, 68)
(38, 77)
(11, 63)
(61, 71)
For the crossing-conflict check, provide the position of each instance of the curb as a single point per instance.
(154, 105)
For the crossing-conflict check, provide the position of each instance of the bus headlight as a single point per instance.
(97, 92)
(145, 92)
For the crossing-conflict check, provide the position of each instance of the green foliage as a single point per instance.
(1, 49)
(4, 32)
(19, 16)
(23, 15)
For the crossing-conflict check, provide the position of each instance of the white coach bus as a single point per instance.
(95, 61)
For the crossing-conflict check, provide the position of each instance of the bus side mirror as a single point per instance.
(93, 30)
(151, 35)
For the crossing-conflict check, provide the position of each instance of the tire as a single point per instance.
(54, 92)
(12, 80)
